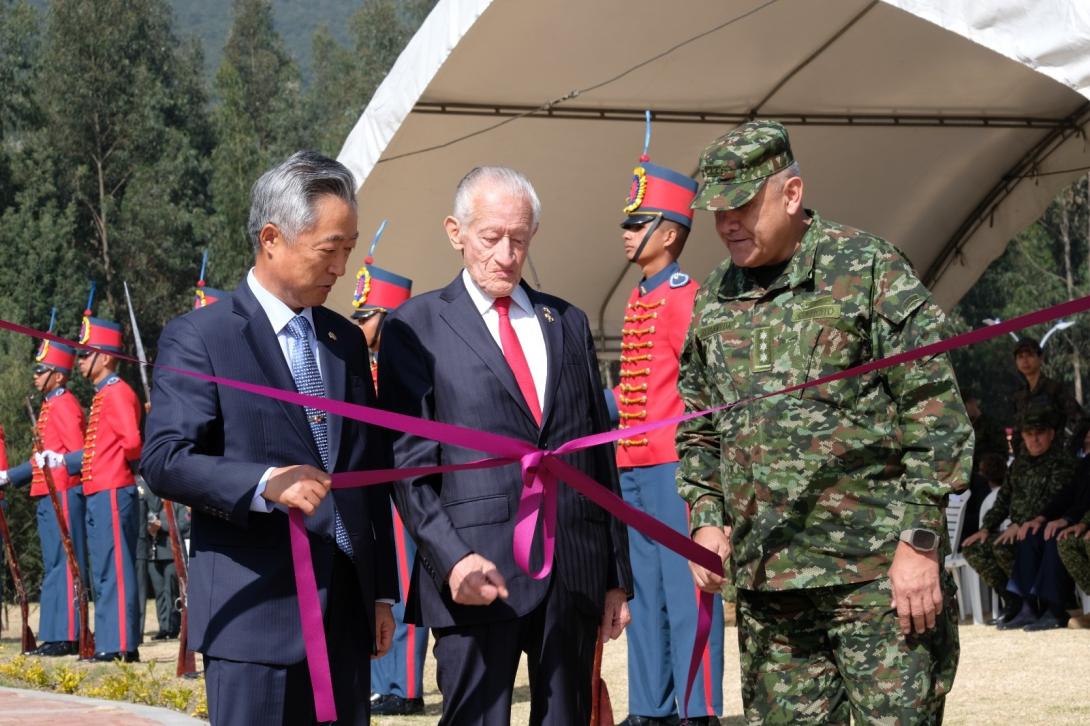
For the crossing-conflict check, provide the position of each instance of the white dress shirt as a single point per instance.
(279, 316)
(526, 325)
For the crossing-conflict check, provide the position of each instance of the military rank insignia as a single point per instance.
(760, 357)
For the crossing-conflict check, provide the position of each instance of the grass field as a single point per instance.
(1004, 677)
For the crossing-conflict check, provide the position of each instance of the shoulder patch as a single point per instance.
(113, 381)
(679, 279)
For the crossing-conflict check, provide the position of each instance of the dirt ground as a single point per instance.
(1003, 677)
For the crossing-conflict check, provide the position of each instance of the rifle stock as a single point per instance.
(187, 662)
(86, 637)
(28, 643)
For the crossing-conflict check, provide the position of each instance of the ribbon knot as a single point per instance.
(537, 503)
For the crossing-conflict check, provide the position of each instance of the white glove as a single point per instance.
(39, 459)
(53, 459)
(4, 477)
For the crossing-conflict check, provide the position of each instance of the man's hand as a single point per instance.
(39, 459)
(917, 596)
(1009, 536)
(716, 539)
(1075, 530)
(4, 478)
(978, 536)
(301, 486)
(154, 526)
(615, 615)
(1030, 527)
(384, 629)
(476, 581)
(1055, 527)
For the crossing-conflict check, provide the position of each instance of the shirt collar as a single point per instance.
(650, 283)
(483, 301)
(105, 382)
(800, 267)
(278, 313)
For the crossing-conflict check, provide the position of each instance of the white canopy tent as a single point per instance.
(945, 126)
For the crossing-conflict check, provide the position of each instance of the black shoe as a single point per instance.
(161, 635)
(699, 721)
(635, 720)
(129, 656)
(57, 648)
(1048, 621)
(1019, 621)
(391, 705)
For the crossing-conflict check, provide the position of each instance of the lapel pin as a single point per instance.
(331, 335)
(548, 314)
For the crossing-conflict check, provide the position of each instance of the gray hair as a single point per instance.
(509, 180)
(285, 195)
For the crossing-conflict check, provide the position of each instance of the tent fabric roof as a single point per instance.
(946, 127)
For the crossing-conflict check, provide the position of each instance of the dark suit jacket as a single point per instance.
(438, 361)
(207, 446)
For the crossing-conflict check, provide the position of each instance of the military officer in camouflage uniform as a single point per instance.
(834, 493)
(1074, 546)
(1034, 479)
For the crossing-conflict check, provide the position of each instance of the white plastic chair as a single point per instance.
(955, 562)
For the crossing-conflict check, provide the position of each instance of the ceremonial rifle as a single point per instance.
(28, 642)
(187, 661)
(86, 638)
(601, 710)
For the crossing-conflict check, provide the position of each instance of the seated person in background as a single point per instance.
(1038, 571)
(1072, 532)
(987, 477)
(1033, 480)
(1038, 390)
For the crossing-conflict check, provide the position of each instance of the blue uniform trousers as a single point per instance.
(1038, 571)
(112, 524)
(401, 671)
(59, 606)
(664, 610)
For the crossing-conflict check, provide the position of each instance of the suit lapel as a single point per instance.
(269, 358)
(462, 316)
(553, 330)
(334, 377)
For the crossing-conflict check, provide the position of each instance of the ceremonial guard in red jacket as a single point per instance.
(111, 450)
(397, 677)
(664, 611)
(60, 427)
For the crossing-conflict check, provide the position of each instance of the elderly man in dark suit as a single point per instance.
(490, 353)
(241, 461)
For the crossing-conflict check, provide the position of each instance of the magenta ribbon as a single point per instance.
(541, 471)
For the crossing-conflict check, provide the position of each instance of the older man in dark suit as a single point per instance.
(490, 353)
(241, 461)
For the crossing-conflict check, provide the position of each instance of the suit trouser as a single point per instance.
(111, 537)
(476, 664)
(59, 606)
(164, 583)
(1038, 571)
(260, 694)
(664, 610)
(401, 671)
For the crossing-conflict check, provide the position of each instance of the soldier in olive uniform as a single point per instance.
(1034, 479)
(1074, 544)
(1039, 390)
(834, 493)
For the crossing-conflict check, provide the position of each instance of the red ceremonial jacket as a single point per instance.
(61, 428)
(655, 323)
(113, 437)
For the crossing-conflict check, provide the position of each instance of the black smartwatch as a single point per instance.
(923, 540)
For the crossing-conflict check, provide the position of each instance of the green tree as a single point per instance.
(344, 80)
(259, 121)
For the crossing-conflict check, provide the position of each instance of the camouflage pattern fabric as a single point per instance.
(1075, 554)
(993, 562)
(1030, 485)
(819, 484)
(735, 165)
(852, 661)
(1059, 397)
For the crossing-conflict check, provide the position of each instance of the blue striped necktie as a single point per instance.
(308, 381)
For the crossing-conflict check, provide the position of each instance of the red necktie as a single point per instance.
(512, 351)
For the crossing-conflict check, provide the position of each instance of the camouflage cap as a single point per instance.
(1038, 417)
(735, 165)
